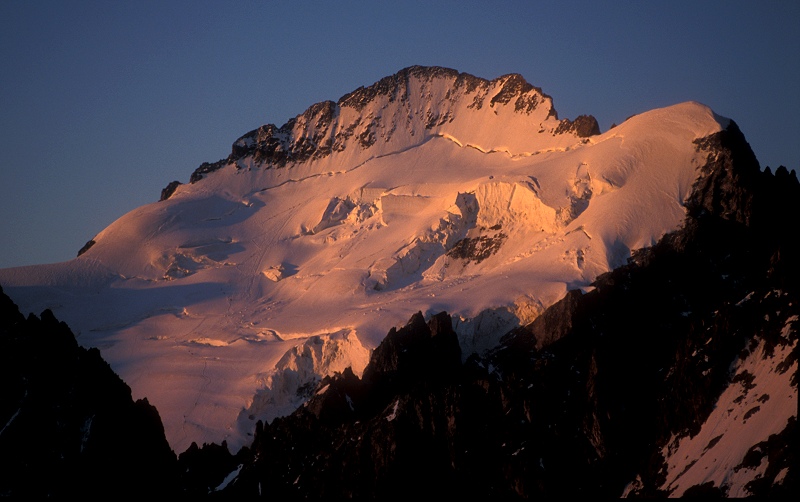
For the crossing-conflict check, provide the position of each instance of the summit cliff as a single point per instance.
(406, 109)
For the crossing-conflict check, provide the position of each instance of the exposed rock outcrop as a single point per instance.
(583, 126)
(167, 192)
(87, 246)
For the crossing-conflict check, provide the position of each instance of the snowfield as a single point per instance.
(227, 302)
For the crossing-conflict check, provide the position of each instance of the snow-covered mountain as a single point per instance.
(227, 301)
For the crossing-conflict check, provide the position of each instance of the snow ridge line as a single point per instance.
(498, 150)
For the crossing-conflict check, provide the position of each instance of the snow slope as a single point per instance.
(763, 388)
(430, 190)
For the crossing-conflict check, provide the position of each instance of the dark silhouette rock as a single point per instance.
(167, 192)
(70, 425)
(87, 246)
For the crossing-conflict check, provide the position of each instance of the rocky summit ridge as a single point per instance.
(399, 111)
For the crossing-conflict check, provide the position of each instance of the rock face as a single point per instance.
(385, 114)
(70, 425)
(167, 192)
(598, 395)
(86, 246)
(583, 126)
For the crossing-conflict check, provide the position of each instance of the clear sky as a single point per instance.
(104, 103)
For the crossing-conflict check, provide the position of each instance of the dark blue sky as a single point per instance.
(104, 103)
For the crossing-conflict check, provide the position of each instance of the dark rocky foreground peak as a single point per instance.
(68, 424)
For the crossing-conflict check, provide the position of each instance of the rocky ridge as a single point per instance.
(389, 112)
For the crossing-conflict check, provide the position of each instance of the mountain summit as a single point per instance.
(405, 110)
(430, 191)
